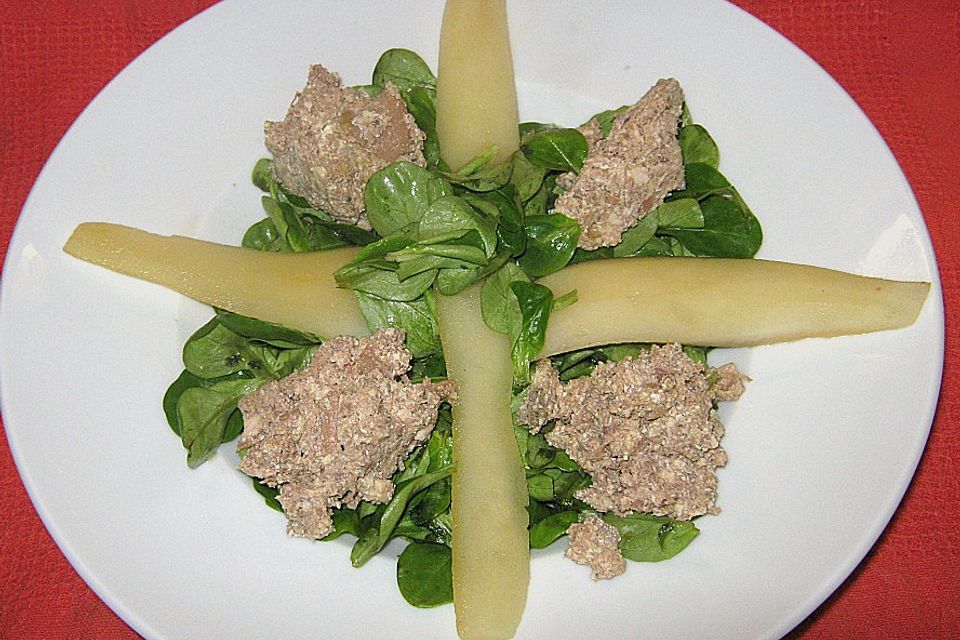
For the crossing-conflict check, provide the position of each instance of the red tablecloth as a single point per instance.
(899, 60)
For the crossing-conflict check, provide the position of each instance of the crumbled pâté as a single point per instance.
(335, 432)
(645, 429)
(627, 174)
(334, 138)
(595, 543)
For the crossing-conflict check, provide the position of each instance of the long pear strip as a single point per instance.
(296, 290)
(491, 552)
(721, 302)
(476, 96)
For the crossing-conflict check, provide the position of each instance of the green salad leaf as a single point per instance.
(225, 360)
(397, 196)
(551, 528)
(606, 118)
(405, 69)
(424, 574)
(697, 146)
(648, 538)
(556, 149)
(417, 317)
(375, 536)
(535, 302)
(551, 241)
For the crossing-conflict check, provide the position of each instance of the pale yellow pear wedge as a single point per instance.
(476, 95)
(721, 303)
(706, 301)
(477, 109)
(296, 290)
(491, 552)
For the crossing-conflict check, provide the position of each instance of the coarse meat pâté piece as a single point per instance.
(627, 174)
(334, 138)
(595, 543)
(335, 432)
(645, 429)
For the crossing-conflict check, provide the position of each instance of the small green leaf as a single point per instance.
(264, 236)
(479, 174)
(262, 175)
(184, 381)
(540, 454)
(203, 413)
(498, 303)
(215, 351)
(452, 217)
(557, 149)
(684, 213)
(656, 246)
(269, 495)
(405, 69)
(345, 520)
(565, 300)
(374, 538)
(552, 528)
(551, 241)
(701, 180)
(397, 196)
(430, 503)
(415, 317)
(728, 231)
(234, 427)
(422, 105)
(649, 538)
(685, 117)
(540, 487)
(535, 302)
(268, 332)
(528, 128)
(503, 206)
(387, 285)
(638, 235)
(539, 204)
(696, 145)
(450, 282)
(424, 574)
(526, 177)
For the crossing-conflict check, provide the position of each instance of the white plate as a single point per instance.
(821, 447)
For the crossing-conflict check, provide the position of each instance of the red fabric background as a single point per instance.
(899, 60)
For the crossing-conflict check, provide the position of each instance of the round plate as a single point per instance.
(822, 446)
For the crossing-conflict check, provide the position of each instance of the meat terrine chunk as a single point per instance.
(335, 432)
(627, 174)
(645, 429)
(334, 138)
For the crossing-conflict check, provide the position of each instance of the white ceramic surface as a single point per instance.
(821, 447)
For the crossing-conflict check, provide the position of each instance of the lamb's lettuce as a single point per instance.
(556, 149)
(424, 574)
(226, 359)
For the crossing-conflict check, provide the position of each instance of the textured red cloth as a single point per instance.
(899, 60)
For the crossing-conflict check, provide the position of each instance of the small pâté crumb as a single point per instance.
(595, 543)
